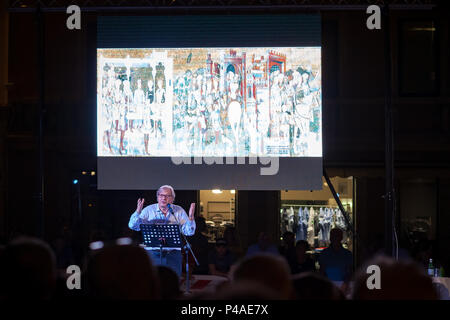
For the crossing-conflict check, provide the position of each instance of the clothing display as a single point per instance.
(311, 223)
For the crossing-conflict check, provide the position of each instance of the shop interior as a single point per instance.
(310, 215)
(218, 207)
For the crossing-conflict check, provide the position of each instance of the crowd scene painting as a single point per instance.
(209, 102)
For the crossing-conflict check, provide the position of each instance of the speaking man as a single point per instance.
(164, 212)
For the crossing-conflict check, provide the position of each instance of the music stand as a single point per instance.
(159, 236)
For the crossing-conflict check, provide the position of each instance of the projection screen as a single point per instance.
(216, 115)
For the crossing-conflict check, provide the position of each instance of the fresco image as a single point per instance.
(209, 102)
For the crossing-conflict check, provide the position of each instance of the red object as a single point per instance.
(200, 284)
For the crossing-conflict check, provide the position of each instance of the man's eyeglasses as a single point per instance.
(165, 196)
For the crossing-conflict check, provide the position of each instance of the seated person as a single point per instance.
(221, 259)
(303, 262)
(400, 280)
(264, 245)
(287, 249)
(269, 270)
(313, 286)
(336, 262)
(232, 239)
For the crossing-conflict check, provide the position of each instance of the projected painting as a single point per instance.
(209, 102)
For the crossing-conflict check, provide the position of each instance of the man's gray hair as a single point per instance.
(166, 187)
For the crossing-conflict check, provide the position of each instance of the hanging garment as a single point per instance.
(284, 221)
(337, 218)
(340, 222)
(333, 219)
(310, 235)
(316, 227)
(295, 225)
(290, 223)
(316, 222)
(291, 219)
(327, 224)
(305, 222)
(321, 235)
(300, 234)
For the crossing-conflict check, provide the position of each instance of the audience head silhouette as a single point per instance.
(122, 272)
(336, 236)
(169, 283)
(400, 280)
(312, 286)
(269, 270)
(28, 269)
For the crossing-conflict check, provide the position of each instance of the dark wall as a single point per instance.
(369, 216)
(257, 211)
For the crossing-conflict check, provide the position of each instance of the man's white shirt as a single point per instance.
(153, 212)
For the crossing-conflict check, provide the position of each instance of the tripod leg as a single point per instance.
(187, 269)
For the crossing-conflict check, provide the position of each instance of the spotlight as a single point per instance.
(96, 245)
(124, 241)
(92, 173)
(217, 191)
(75, 181)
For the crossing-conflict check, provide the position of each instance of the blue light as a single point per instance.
(337, 194)
(75, 181)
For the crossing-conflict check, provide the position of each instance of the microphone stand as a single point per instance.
(160, 251)
(187, 248)
(162, 242)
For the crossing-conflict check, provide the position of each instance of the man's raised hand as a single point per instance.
(140, 205)
(192, 211)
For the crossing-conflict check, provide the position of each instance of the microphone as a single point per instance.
(171, 211)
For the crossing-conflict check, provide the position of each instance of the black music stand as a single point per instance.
(159, 236)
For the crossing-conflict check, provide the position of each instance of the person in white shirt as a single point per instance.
(161, 213)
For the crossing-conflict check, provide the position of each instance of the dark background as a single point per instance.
(353, 120)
